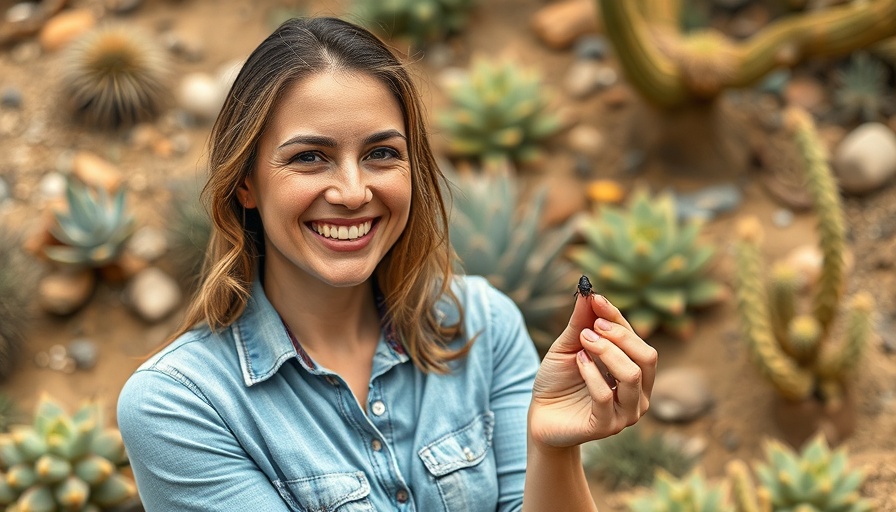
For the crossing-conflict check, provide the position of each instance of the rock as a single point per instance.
(586, 139)
(782, 218)
(11, 97)
(153, 294)
(148, 243)
(96, 171)
(592, 47)
(200, 95)
(188, 47)
(123, 6)
(65, 291)
(866, 158)
(680, 395)
(708, 202)
(84, 352)
(806, 261)
(587, 76)
(65, 27)
(559, 24)
(804, 92)
(20, 12)
(52, 186)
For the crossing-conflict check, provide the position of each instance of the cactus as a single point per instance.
(9, 412)
(115, 77)
(93, 229)
(17, 279)
(63, 462)
(495, 237)
(631, 458)
(815, 480)
(189, 230)
(648, 265)
(419, 21)
(861, 90)
(689, 494)
(789, 346)
(498, 112)
(672, 69)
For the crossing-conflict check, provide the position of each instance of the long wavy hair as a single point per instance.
(413, 275)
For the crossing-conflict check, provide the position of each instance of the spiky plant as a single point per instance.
(648, 264)
(189, 229)
(93, 229)
(792, 348)
(689, 494)
(498, 235)
(17, 276)
(632, 458)
(63, 462)
(9, 412)
(499, 111)
(814, 480)
(114, 76)
(861, 92)
(421, 22)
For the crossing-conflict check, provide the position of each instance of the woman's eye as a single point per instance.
(382, 154)
(305, 157)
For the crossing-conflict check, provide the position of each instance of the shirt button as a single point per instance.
(401, 496)
(376, 445)
(378, 408)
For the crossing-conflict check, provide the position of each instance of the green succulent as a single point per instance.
(63, 462)
(689, 494)
(815, 480)
(94, 228)
(189, 230)
(420, 21)
(499, 111)
(9, 412)
(632, 458)
(861, 91)
(495, 237)
(17, 277)
(648, 264)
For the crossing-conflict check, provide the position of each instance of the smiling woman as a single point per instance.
(331, 360)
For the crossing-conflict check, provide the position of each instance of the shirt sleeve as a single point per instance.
(183, 455)
(515, 364)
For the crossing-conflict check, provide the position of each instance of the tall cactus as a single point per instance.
(791, 348)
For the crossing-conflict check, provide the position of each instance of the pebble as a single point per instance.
(680, 395)
(148, 243)
(633, 160)
(587, 76)
(96, 171)
(709, 202)
(11, 97)
(200, 95)
(20, 12)
(65, 27)
(188, 47)
(782, 218)
(63, 292)
(560, 24)
(586, 139)
(775, 82)
(84, 352)
(591, 47)
(123, 6)
(153, 294)
(866, 158)
(52, 185)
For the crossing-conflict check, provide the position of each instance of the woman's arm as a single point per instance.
(183, 455)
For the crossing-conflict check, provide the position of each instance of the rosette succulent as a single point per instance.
(689, 494)
(420, 21)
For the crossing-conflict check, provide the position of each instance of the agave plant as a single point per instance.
(94, 228)
(17, 278)
(63, 462)
(420, 21)
(861, 91)
(495, 238)
(648, 264)
(689, 494)
(500, 111)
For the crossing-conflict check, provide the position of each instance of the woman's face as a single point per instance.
(332, 179)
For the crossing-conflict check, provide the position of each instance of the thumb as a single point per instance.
(582, 317)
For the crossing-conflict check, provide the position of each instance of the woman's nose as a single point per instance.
(349, 189)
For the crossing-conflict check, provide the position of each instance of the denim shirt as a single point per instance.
(243, 419)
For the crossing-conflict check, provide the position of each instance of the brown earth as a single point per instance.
(228, 29)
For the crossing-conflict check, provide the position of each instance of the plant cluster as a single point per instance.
(63, 462)
(496, 237)
(420, 21)
(16, 283)
(861, 91)
(189, 229)
(648, 264)
(499, 111)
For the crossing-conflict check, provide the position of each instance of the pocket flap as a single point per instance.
(459, 449)
(325, 492)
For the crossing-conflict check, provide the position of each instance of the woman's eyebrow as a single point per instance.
(383, 135)
(319, 140)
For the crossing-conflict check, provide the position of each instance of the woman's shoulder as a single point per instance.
(478, 297)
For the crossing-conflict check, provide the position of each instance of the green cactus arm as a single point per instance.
(662, 12)
(743, 490)
(803, 339)
(834, 362)
(651, 72)
(829, 210)
(782, 298)
(789, 379)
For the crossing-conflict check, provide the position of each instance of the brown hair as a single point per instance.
(413, 275)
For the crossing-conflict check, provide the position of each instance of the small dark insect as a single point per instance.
(584, 289)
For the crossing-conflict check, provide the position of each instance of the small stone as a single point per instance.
(592, 47)
(866, 159)
(52, 186)
(709, 202)
(605, 77)
(181, 143)
(775, 82)
(148, 243)
(11, 97)
(586, 139)
(187, 47)
(680, 395)
(559, 24)
(200, 95)
(153, 294)
(616, 96)
(583, 78)
(804, 92)
(731, 441)
(123, 6)
(633, 160)
(83, 352)
(65, 27)
(63, 292)
(20, 12)
(96, 171)
(782, 218)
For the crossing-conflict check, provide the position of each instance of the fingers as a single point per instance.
(634, 348)
(604, 309)
(601, 395)
(582, 318)
(628, 376)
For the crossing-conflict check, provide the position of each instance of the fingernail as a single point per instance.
(583, 356)
(601, 298)
(603, 324)
(590, 335)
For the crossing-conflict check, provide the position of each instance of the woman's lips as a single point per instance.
(345, 236)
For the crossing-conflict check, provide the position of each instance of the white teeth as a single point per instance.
(342, 232)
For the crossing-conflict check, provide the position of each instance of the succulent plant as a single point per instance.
(17, 277)
(648, 264)
(861, 92)
(420, 21)
(114, 76)
(691, 493)
(189, 229)
(63, 462)
(789, 346)
(498, 111)
(9, 412)
(632, 458)
(814, 480)
(494, 236)
(93, 229)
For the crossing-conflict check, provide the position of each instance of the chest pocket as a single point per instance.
(342, 492)
(463, 466)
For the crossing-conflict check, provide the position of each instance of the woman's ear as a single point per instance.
(246, 194)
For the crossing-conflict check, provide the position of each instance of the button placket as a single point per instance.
(378, 408)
